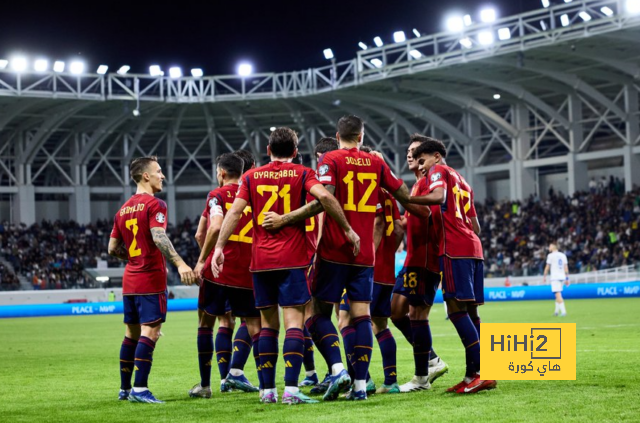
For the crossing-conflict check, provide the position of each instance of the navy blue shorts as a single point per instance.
(213, 299)
(331, 279)
(145, 309)
(286, 288)
(462, 279)
(381, 304)
(418, 284)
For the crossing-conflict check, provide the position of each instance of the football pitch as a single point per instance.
(66, 369)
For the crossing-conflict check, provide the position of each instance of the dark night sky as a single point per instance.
(215, 35)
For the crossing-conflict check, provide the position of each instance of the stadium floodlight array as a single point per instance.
(415, 54)
(488, 15)
(504, 34)
(245, 69)
(273, 128)
(154, 70)
(546, 3)
(175, 72)
(378, 42)
(76, 67)
(633, 6)
(416, 32)
(376, 62)
(496, 96)
(543, 25)
(19, 64)
(58, 66)
(399, 37)
(466, 42)
(123, 70)
(328, 54)
(3, 63)
(362, 45)
(455, 24)
(485, 38)
(197, 73)
(585, 16)
(467, 20)
(568, 1)
(102, 69)
(564, 20)
(41, 65)
(607, 11)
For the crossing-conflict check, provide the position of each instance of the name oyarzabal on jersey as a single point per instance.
(146, 270)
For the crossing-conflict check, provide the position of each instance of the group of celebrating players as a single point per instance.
(285, 238)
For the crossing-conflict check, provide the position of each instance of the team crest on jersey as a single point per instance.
(213, 202)
(322, 170)
(435, 177)
(160, 217)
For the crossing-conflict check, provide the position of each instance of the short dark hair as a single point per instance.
(350, 127)
(366, 148)
(419, 138)
(430, 147)
(139, 165)
(283, 142)
(230, 163)
(325, 145)
(247, 158)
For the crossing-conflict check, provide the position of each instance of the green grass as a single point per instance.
(65, 369)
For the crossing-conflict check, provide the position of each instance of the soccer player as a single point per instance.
(417, 284)
(232, 289)
(354, 177)
(139, 236)
(558, 264)
(460, 253)
(280, 258)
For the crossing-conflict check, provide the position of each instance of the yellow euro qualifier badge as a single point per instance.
(528, 351)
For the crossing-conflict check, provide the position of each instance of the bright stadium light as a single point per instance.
(197, 72)
(41, 65)
(415, 54)
(123, 70)
(376, 62)
(585, 16)
(496, 96)
(543, 25)
(175, 72)
(564, 20)
(378, 42)
(3, 63)
(467, 20)
(19, 64)
(76, 67)
(245, 69)
(466, 42)
(454, 24)
(485, 38)
(58, 66)
(273, 128)
(504, 34)
(607, 11)
(362, 45)
(399, 37)
(102, 69)
(568, 1)
(102, 278)
(154, 70)
(546, 3)
(328, 53)
(416, 32)
(633, 6)
(488, 15)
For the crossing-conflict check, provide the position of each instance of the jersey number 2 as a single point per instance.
(132, 225)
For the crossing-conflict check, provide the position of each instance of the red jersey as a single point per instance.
(146, 271)
(417, 231)
(312, 228)
(238, 249)
(279, 187)
(384, 271)
(457, 239)
(357, 176)
(433, 248)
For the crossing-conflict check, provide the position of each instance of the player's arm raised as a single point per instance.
(162, 241)
(117, 249)
(211, 237)
(229, 225)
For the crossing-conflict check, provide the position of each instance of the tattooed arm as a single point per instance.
(273, 221)
(165, 246)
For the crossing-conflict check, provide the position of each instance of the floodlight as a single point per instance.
(362, 45)
(568, 1)
(245, 69)
(485, 38)
(58, 66)
(102, 278)
(175, 72)
(378, 42)
(455, 24)
(416, 32)
(197, 72)
(415, 54)
(376, 62)
(607, 11)
(467, 20)
(546, 3)
(154, 70)
(102, 69)
(19, 64)
(76, 67)
(585, 16)
(633, 6)
(564, 20)
(504, 34)
(466, 42)
(123, 70)
(41, 65)
(3, 63)
(328, 53)
(543, 25)
(273, 128)
(496, 96)
(488, 15)
(399, 37)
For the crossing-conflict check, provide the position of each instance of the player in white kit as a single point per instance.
(558, 265)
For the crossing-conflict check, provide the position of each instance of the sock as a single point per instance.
(309, 362)
(127, 355)
(349, 339)
(326, 339)
(421, 346)
(241, 348)
(256, 358)
(143, 361)
(470, 340)
(557, 308)
(363, 348)
(387, 344)
(223, 351)
(563, 310)
(205, 355)
(432, 354)
(476, 323)
(268, 357)
(404, 325)
(293, 354)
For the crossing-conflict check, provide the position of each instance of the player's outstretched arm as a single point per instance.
(273, 221)
(162, 241)
(403, 196)
(202, 231)
(229, 225)
(436, 197)
(117, 249)
(211, 237)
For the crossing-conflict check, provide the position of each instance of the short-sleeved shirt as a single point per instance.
(384, 269)
(146, 270)
(455, 232)
(556, 262)
(280, 187)
(312, 230)
(237, 251)
(417, 231)
(433, 248)
(357, 176)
